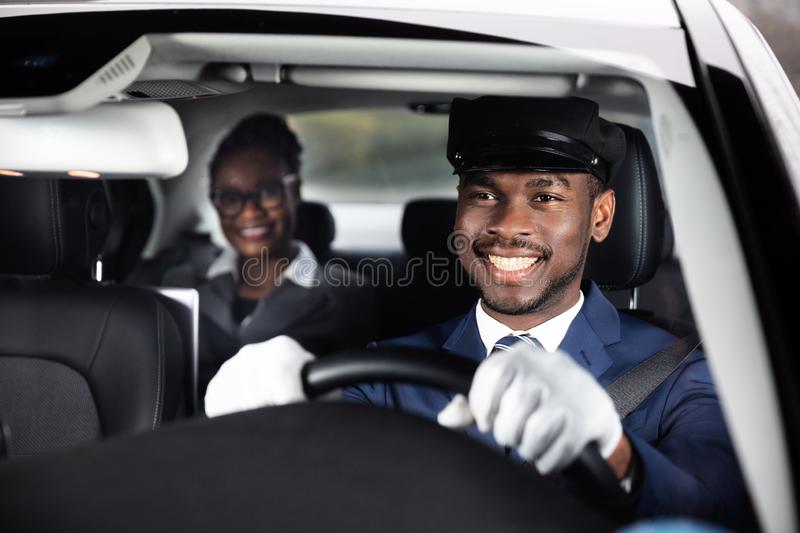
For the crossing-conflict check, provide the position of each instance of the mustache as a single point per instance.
(517, 243)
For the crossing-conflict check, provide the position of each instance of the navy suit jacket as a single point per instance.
(687, 462)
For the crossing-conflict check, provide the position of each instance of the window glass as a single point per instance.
(374, 156)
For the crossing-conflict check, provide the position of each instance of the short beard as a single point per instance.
(552, 293)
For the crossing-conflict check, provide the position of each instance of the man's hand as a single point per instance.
(543, 404)
(262, 374)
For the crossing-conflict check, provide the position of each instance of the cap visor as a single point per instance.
(524, 158)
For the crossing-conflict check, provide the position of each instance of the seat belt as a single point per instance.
(630, 389)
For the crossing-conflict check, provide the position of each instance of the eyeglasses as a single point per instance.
(230, 202)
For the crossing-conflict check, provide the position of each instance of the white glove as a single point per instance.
(542, 403)
(261, 374)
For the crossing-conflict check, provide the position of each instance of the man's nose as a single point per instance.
(510, 220)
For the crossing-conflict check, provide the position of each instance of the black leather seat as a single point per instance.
(315, 226)
(627, 259)
(630, 255)
(432, 282)
(78, 360)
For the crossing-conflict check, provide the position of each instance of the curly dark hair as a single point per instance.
(265, 132)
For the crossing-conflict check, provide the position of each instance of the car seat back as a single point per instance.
(315, 226)
(78, 360)
(431, 287)
(630, 255)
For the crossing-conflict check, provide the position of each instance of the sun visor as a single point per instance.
(115, 140)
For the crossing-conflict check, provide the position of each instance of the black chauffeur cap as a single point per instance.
(550, 134)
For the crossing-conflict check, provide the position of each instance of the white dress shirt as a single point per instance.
(549, 333)
(302, 270)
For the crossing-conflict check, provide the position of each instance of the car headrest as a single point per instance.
(632, 251)
(427, 225)
(629, 256)
(51, 228)
(315, 226)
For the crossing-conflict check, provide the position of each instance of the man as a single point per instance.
(532, 196)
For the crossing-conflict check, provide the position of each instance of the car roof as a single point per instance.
(660, 13)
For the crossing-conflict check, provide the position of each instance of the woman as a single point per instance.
(268, 284)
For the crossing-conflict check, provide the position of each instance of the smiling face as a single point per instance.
(257, 228)
(528, 235)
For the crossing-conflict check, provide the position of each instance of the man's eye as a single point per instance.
(484, 196)
(545, 198)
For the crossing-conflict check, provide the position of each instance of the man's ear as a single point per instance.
(603, 214)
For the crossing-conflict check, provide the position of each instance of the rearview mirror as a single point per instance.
(114, 140)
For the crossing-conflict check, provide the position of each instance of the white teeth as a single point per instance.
(511, 264)
(253, 232)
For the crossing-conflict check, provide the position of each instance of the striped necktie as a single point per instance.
(505, 344)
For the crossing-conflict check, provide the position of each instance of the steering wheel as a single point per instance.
(336, 466)
(589, 473)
